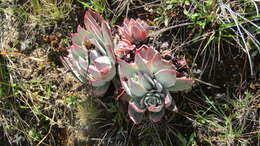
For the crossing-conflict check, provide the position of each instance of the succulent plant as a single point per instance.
(148, 81)
(134, 31)
(144, 75)
(94, 65)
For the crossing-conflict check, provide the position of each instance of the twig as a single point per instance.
(155, 33)
(206, 83)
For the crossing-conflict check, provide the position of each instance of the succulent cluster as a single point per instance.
(91, 57)
(145, 76)
(148, 80)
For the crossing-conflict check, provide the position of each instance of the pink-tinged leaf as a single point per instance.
(141, 64)
(76, 39)
(77, 51)
(135, 88)
(105, 71)
(80, 37)
(182, 84)
(108, 73)
(135, 116)
(94, 72)
(69, 64)
(139, 34)
(124, 44)
(143, 81)
(125, 34)
(148, 78)
(133, 30)
(93, 21)
(99, 46)
(125, 69)
(92, 15)
(142, 24)
(158, 85)
(156, 116)
(93, 55)
(102, 62)
(107, 40)
(135, 104)
(157, 64)
(138, 30)
(83, 33)
(83, 63)
(158, 108)
(96, 82)
(126, 88)
(167, 77)
(168, 100)
(99, 33)
(146, 52)
(123, 48)
(93, 27)
(102, 69)
(126, 22)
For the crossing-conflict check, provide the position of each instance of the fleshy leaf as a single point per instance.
(83, 63)
(158, 85)
(138, 33)
(157, 108)
(93, 54)
(71, 66)
(167, 77)
(143, 80)
(96, 82)
(134, 30)
(126, 88)
(148, 78)
(102, 62)
(99, 33)
(182, 84)
(99, 46)
(76, 39)
(123, 48)
(157, 64)
(141, 64)
(168, 100)
(136, 88)
(92, 21)
(137, 104)
(125, 69)
(107, 40)
(77, 51)
(123, 32)
(101, 90)
(136, 117)
(94, 66)
(94, 72)
(146, 52)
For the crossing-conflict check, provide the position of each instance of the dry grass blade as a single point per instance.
(230, 16)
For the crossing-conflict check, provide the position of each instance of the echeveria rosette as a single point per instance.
(96, 66)
(135, 31)
(148, 81)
